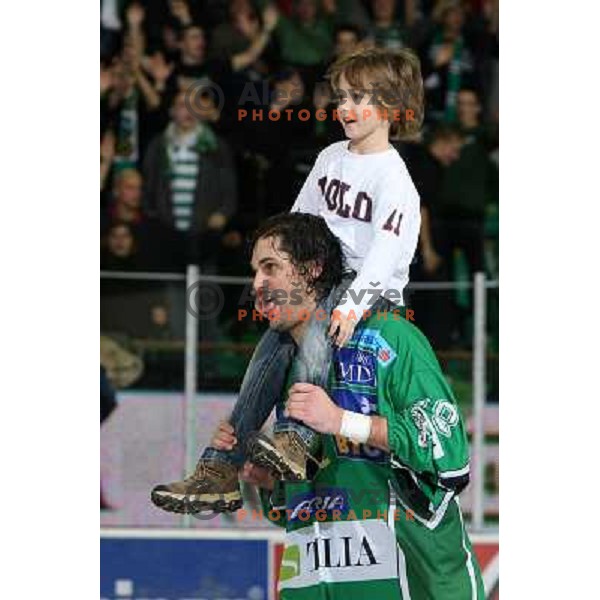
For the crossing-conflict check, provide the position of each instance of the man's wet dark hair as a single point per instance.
(307, 240)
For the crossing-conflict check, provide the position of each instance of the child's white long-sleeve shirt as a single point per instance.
(370, 203)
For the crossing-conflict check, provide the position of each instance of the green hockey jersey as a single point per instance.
(378, 525)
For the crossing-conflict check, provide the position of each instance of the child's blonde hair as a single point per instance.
(393, 77)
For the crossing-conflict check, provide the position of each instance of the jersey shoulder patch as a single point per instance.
(371, 340)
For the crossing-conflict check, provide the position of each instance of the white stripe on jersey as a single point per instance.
(470, 568)
(402, 575)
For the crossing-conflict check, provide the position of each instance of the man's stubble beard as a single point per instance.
(296, 328)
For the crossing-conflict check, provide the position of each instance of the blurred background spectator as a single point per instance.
(121, 252)
(306, 36)
(428, 165)
(156, 246)
(190, 179)
(388, 30)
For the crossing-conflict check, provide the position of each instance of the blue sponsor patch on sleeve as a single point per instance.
(372, 341)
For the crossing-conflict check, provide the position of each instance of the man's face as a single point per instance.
(286, 305)
(181, 116)
(449, 150)
(238, 6)
(306, 10)
(194, 44)
(360, 116)
(345, 43)
(129, 191)
(468, 108)
(289, 90)
(384, 9)
(120, 241)
(454, 19)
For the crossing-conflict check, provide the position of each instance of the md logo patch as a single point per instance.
(355, 367)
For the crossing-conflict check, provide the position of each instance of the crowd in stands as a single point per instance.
(190, 160)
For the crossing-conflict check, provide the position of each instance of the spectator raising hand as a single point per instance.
(107, 154)
(135, 15)
(181, 11)
(107, 79)
(247, 24)
(160, 70)
(443, 55)
(270, 17)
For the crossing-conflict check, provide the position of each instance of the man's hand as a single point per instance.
(257, 476)
(107, 146)
(311, 405)
(247, 24)
(107, 79)
(270, 17)
(444, 55)
(181, 10)
(344, 326)
(224, 437)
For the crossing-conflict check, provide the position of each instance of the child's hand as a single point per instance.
(344, 327)
(224, 437)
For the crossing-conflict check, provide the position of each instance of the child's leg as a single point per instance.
(214, 484)
(261, 389)
(314, 358)
(286, 454)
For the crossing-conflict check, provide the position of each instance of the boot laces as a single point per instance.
(203, 470)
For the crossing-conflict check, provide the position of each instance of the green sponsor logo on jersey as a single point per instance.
(357, 551)
(290, 563)
(427, 429)
(445, 417)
